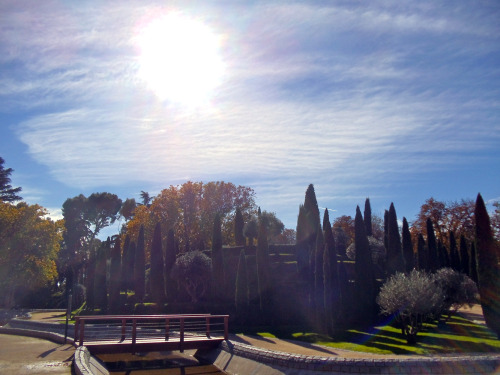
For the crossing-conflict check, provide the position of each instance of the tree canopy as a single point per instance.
(7, 192)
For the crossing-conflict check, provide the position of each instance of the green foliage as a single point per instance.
(432, 248)
(412, 299)
(7, 192)
(488, 268)
(394, 260)
(29, 246)
(367, 217)
(157, 281)
(115, 277)
(458, 289)
(407, 245)
(139, 272)
(218, 285)
(239, 224)
(170, 255)
(364, 278)
(263, 271)
(100, 285)
(192, 270)
(242, 291)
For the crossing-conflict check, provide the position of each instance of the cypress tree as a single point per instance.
(407, 247)
(368, 217)
(394, 260)
(454, 257)
(319, 280)
(327, 292)
(170, 256)
(386, 230)
(239, 224)
(157, 287)
(473, 263)
(90, 282)
(263, 272)
(464, 256)
(488, 269)
(365, 281)
(422, 253)
(125, 272)
(242, 291)
(100, 284)
(432, 250)
(217, 259)
(115, 277)
(138, 252)
(334, 287)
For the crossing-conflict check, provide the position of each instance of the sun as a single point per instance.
(179, 59)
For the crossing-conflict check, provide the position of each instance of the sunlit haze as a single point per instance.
(179, 59)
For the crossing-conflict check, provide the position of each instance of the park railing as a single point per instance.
(131, 330)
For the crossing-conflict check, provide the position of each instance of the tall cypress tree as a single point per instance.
(217, 260)
(263, 271)
(301, 243)
(100, 284)
(454, 257)
(115, 277)
(242, 291)
(365, 281)
(423, 264)
(170, 256)
(327, 292)
(368, 217)
(394, 260)
(334, 287)
(157, 282)
(386, 230)
(407, 247)
(125, 272)
(319, 280)
(473, 263)
(488, 269)
(239, 224)
(464, 256)
(432, 249)
(139, 271)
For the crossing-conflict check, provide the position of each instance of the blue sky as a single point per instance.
(396, 101)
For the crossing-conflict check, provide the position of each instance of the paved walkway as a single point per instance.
(27, 355)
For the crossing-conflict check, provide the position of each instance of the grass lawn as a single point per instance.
(457, 336)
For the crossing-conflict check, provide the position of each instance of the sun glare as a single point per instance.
(179, 59)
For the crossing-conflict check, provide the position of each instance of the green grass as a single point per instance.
(457, 336)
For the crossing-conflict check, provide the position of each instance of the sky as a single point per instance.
(397, 101)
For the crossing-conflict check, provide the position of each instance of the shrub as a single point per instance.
(192, 270)
(412, 299)
(458, 289)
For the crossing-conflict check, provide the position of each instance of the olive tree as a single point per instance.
(412, 299)
(193, 271)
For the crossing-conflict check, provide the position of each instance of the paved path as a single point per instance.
(27, 355)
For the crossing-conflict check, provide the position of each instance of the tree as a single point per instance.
(218, 284)
(368, 217)
(239, 224)
(242, 291)
(100, 285)
(432, 254)
(364, 278)
(407, 247)
(263, 271)
(346, 223)
(394, 260)
(192, 270)
(464, 256)
(127, 266)
(454, 257)
(115, 276)
(250, 230)
(102, 210)
(422, 253)
(127, 209)
(146, 198)
(29, 246)
(170, 255)
(157, 287)
(458, 290)
(488, 269)
(412, 299)
(7, 192)
(495, 220)
(319, 281)
(274, 226)
(330, 276)
(139, 267)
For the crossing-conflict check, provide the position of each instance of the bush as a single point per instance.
(413, 299)
(192, 270)
(458, 289)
